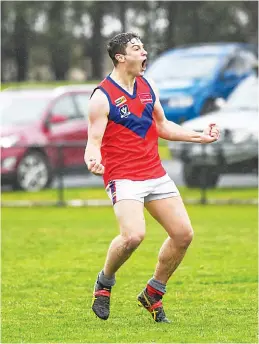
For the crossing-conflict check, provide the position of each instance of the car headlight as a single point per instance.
(180, 101)
(8, 141)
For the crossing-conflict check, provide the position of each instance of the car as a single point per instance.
(191, 78)
(34, 122)
(237, 149)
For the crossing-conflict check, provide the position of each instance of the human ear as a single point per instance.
(120, 57)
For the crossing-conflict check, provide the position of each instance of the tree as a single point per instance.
(97, 12)
(251, 9)
(21, 41)
(7, 27)
(123, 6)
(18, 19)
(59, 37)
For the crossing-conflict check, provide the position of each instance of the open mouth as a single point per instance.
(144, 64)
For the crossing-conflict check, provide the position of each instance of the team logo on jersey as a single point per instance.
(120, 101)
(145, 98)
(124, 111)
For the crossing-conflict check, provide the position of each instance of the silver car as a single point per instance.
(237, 149)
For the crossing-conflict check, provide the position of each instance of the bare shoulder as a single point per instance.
(99, 103)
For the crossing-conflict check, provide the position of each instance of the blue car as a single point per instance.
(191, 78)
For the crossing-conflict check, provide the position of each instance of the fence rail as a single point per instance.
(60, 172)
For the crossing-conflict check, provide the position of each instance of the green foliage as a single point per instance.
(50, 259)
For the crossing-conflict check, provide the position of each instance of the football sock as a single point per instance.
(106, 282)
(155, 289)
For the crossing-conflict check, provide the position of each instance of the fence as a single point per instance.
(201, 195)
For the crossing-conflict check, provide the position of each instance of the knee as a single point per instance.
(187, 236)
(133, 241)
(184, 236)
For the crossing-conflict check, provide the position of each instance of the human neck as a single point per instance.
(124, 79)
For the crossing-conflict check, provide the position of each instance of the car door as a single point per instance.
(72, 131)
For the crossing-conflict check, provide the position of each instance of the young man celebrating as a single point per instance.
(125, 121)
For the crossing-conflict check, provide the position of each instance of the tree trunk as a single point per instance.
(21, 46)
(251, 8)
(59, 40)
(4, 45)
(97, 41)
(172, 11)
(123, 5)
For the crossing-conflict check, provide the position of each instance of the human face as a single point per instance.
(135, 58)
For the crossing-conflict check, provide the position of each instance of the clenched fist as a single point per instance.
(95, 167)
(210, 134)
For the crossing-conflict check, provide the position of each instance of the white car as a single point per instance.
(237, 149)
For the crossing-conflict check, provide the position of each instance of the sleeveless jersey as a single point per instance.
(130, 143)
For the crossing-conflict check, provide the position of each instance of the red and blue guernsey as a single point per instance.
(130, 143)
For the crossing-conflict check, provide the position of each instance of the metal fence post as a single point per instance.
(61, 201)
(203, 178)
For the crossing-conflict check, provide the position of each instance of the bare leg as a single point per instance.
(172, 215)
(130, 216)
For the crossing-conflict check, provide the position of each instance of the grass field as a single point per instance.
(50, 258)
(100, 193)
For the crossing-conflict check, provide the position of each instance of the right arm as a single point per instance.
(97, 121)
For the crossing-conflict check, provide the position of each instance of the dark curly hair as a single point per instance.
(117, 45)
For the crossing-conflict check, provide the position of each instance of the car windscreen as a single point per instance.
(245, 97)
(182, 67)
(21, 110)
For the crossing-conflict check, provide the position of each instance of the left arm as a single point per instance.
(173, 132)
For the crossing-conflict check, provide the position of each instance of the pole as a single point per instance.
(203, 178)
(61, 201)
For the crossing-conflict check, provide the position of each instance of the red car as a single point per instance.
(33, 123)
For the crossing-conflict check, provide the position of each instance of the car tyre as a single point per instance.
(33, 172)
(198, 176)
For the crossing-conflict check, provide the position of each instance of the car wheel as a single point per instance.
(208, 106)
(33, 172)
(197, 176)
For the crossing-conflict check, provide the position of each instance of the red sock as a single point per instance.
(153, 292)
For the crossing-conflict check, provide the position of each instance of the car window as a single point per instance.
(65, 106)
(182, 67)
(249, 60)
(82, 101)
(238, 65)
(20, 109)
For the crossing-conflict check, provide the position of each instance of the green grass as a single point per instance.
(163, 150)
(99, 193)
(50, 258)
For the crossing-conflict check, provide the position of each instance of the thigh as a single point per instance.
(130, 216)
(171, 214)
